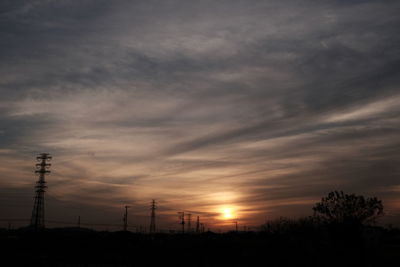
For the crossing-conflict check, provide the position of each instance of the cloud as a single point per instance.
(270, 103)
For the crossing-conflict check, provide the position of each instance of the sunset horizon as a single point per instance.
(239, 112)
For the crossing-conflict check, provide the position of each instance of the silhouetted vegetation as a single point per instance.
(310, 241)
(341, 208)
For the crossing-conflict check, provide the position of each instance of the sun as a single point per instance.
(227, 213)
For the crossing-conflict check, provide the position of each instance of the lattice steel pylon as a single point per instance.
(189, 224)
(153, 217)
(125, 219)
(42, 168)
(182, 220)
(198, 225)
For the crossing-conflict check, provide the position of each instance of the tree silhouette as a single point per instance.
(342, 208)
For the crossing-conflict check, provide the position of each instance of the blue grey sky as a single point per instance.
(260, 107)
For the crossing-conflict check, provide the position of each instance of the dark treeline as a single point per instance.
(340, 233)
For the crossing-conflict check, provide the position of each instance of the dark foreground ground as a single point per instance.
(298, 247)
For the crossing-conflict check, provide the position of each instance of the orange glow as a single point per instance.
(227, 213)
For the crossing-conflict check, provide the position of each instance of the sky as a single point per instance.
(257, 107)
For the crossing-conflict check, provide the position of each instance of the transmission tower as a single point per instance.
(153, 217)
(42, 168)
(182, 220)
(198, 225)
(189, 220)
(126, 218)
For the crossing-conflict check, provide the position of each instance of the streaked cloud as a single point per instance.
(262, 107)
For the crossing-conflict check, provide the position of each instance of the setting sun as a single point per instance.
(227, 213)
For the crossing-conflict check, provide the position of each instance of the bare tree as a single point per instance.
(342, 208)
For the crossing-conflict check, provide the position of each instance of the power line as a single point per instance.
(63, 222)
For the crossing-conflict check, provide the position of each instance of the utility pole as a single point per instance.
(236, 225)
(189, 227)
(126, 218)
(153, 217)
(198, 225)
(42, 168)
(182, 220)
(79, 221)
